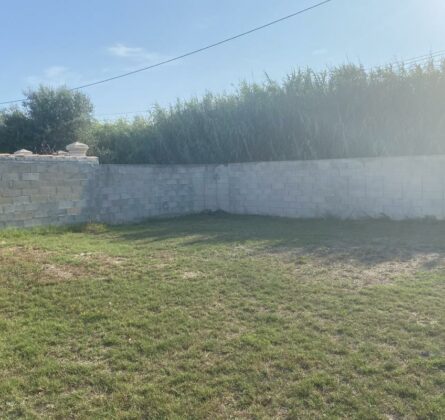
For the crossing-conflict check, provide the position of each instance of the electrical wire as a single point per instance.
(188, 54)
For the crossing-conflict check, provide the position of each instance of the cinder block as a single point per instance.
(30, 176)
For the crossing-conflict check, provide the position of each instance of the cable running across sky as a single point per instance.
(197, 51)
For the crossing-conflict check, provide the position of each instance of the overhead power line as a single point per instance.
(412, 61)
(188, 54)
(145, 111)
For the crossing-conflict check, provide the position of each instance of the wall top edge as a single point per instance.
(353, 159)
(47, 158)
(95, 160)
(271, 162)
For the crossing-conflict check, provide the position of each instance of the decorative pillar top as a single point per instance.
(23, 152)
(77, 149)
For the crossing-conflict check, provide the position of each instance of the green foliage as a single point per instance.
(15, 131)
(345, 112)
(50, 119)
(121, 142)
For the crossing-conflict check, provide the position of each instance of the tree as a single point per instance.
(15, 131)
(48, 121)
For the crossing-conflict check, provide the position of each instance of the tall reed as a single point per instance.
(343, 112)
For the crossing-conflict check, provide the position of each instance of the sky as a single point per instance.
(77, 42)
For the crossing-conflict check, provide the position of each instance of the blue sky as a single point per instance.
(76, 42)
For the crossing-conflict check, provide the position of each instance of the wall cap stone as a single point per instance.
(76, 153)
(23, 152)
(47, 158)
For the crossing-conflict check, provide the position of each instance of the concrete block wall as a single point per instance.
(133, 192)
(398, 188)
(41, 190)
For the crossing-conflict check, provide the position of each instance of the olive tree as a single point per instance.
(49, 119)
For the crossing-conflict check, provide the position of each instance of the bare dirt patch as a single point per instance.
(190, 275)
(102, 258)
(58, 273)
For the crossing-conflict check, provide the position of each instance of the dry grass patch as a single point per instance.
(362, 266)
(190, 275)
(46, 266)
(101, 258)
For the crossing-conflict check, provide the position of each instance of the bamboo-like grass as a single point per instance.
(344, 112)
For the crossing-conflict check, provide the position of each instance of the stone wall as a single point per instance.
(41, 190)
(133, 192)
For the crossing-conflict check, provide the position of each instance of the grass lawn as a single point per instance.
(224, 317)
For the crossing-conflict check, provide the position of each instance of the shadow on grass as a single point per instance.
(367, 241)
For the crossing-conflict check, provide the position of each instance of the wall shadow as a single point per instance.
(369, 242)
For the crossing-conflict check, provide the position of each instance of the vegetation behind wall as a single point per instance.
(343, 112)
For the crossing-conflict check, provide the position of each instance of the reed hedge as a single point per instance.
(339, 113)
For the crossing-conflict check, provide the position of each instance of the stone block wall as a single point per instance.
(42, 190)
(133, 192)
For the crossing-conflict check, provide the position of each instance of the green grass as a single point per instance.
(224, 317)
